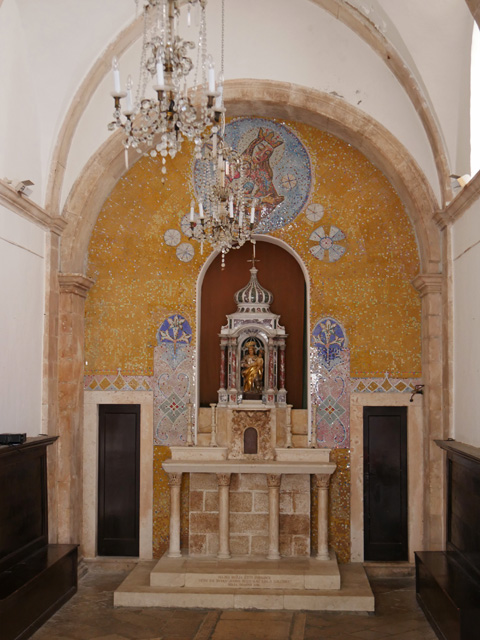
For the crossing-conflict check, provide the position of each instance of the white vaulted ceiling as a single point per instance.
(405, 64)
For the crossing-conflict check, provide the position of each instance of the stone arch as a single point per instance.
(347, 14)
(275, 100)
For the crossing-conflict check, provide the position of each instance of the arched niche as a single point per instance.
(280, 273)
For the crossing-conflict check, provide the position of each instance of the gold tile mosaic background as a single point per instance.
(353, 236)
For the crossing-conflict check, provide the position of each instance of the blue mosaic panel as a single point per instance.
(329, 338)
(279, 173)
(176, 333)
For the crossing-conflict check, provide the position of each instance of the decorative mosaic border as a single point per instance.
(384, 385)
(118, 382)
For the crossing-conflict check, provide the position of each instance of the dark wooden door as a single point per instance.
(385, 483)
(118, 480)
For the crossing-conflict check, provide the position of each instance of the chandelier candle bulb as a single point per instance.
(160, 75)
(219, 96)
(211, 76)
(117, 87)
(200, 208)
(129, 108)
(230, 206)
(252, 215)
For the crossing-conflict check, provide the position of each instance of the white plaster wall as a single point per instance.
(22, 291)
(466, 275)
(20, 133)
(45, 54)
(295, 42)
(439, 58)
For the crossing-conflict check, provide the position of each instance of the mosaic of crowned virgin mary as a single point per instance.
(258, 180)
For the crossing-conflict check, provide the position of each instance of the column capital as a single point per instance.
(274, 479)
(223, 479)
(426, 283)
(322, 480)
(175, 479)
(75, 283)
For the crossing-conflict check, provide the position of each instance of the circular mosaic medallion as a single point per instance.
(185, 252)
(314, 212)
(326, 244)
(172, 237)
(278, 170)
(187, 227)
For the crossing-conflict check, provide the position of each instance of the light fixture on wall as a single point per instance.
(163, 112)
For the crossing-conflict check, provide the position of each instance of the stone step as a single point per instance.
(354, 594)
(236, 572)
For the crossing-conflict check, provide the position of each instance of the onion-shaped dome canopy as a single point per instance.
(254, 297)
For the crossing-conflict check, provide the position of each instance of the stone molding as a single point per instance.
(474, 6)
(322, 481)
(366, 29)
(174, 479)
(347, 14)
(223, 479)
(267, 98)
(426, 283)
(75, 283)
(28, 209)
(273, 479)
(462, 203)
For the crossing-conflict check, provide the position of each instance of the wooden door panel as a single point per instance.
(118, 480)
(385, 483)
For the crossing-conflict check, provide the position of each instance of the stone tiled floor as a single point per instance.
(90, 615)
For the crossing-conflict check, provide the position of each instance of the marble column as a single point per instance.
(175, 482)
(273, 481)
(322, 481)
(223, 480)
(223, 367)
(233, 364)
(282, 372)
(271, 355)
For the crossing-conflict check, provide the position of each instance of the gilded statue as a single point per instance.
(252, 368)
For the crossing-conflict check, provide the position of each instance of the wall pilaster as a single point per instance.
(73, 289)
(430, 288)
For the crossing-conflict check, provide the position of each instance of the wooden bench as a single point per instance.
(36, 578)
(448, 594)
(448, 582)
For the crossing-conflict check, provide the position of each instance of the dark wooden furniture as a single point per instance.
(448, 582)
(36, 578)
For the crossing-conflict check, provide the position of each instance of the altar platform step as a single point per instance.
(354, 593)
(237, 573)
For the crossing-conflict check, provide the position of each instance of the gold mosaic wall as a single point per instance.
(140, 281)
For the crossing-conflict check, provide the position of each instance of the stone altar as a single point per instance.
(250, 491)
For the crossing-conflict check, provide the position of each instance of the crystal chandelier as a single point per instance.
(224, 216)
(162, 113)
